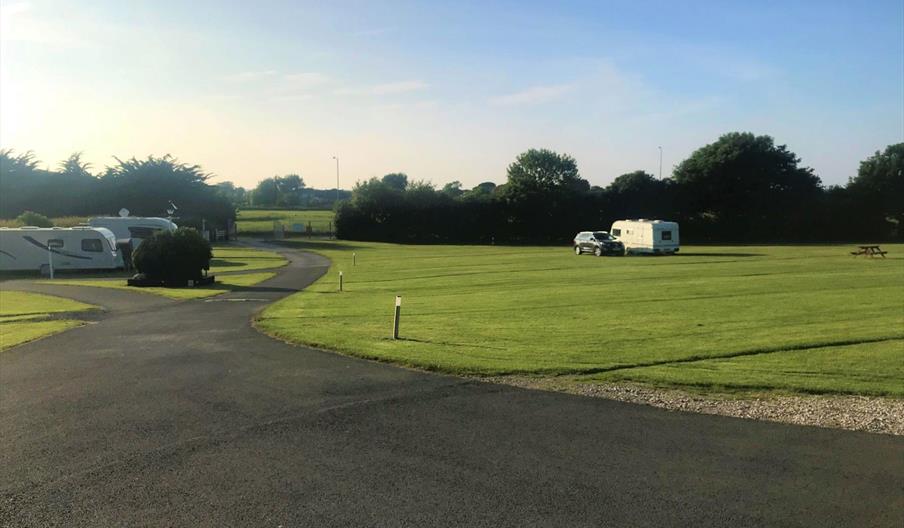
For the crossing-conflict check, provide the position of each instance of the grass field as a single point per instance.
(23, 316)
(806, 319)
(260, 221)
(239, 259)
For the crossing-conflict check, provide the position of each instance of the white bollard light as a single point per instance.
(395, 320)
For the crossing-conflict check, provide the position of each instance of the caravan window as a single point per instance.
(666, 235)
(142, 232)
(93, 245)
(616, 232)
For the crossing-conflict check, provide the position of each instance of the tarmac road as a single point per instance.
(178, 413)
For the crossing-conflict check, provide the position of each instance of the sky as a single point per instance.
(443, 90)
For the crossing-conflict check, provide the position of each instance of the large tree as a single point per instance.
(543, 195)
(236, 195)
(278, 191)
(543, 172)
(638, 194)
(453, 189)
(24, 186)
(745, 186)
(634, 182)
(880, 185)
(396, 180)
(75, 166)
(146, 187)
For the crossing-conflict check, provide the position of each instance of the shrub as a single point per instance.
(31, 218)
(173, 257)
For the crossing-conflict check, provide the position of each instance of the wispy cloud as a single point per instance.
(304, 81)
(249, 76)
(533, 95)
(392, 88)
(280, 86)
(20, 23)
(414, 105)
(293, 97)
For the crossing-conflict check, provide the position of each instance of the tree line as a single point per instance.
(287, 191)
(146, 187)
(740, 188)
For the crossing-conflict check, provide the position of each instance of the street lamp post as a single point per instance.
(337, 178)
(660, 163)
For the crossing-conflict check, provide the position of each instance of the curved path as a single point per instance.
(178, 413)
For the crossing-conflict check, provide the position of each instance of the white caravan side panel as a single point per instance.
(25, 249)
(136, 228)
(647, 236)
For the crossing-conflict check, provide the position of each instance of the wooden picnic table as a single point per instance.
(869, 251)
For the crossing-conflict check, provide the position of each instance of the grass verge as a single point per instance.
(23, 314)
(875, 368)
(224, 283)
(239, 259)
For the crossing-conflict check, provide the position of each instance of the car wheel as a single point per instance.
(577, 250)
(598, 251)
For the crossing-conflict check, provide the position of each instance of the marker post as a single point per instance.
(395, 319)
(51, 245)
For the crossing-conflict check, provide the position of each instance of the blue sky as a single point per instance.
(447, 90)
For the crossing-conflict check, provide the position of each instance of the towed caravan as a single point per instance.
(647, 236)
(73, 248)
(134, 228)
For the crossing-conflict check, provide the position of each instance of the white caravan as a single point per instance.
(647, 236)
(134, 228)
(72, 248)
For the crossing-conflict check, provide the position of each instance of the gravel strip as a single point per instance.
(856, 413)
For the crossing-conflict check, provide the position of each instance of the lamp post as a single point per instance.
(660, 162)
(337, 178)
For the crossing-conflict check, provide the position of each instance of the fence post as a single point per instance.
(340, 281)
(395, 320)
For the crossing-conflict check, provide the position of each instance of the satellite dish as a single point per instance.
(123, 212)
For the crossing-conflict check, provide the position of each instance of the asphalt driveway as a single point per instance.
(178, 413)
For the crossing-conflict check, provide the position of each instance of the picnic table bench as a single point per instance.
(869, 251)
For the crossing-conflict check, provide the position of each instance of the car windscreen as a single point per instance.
(602, 236)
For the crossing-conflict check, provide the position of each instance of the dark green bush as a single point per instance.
(31, 218)
(175, 256)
